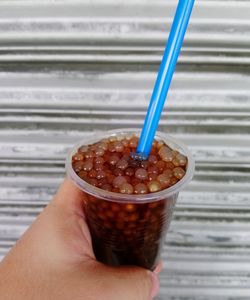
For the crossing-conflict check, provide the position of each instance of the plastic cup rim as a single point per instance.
(117, 197)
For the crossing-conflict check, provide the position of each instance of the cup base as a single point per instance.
(119, 257)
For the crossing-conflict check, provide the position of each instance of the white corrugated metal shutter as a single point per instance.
(68, 68)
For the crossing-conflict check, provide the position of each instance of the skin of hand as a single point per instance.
(54, 260)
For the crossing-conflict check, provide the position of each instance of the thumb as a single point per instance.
(124, 283)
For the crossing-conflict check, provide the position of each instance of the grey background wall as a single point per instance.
(70, 68)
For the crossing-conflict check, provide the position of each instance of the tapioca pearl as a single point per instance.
(166, 154)
(168, 172)
(128, 179)
(115, 207)
(100, 174)
(154, 219)
(154, 186)
(103, 204)
(173, 180)
(92, 173)
(129, 172)
(152, 159)
(118, 181)
(110, 214)
(110, 178)
(107, 187)
(152, 176)
(140, 188)
(153, 205)
(91, 198)
(103, 146)
(120, 138)
(83, 175)
(92, 147)
(104, 140)
(89, 154)
(102, 216)
(113, 138)
(83, 149)
(107, 170)
(147, 214)
(164, 180)
(159, 145)
(164, 149)
(122, 164)
(125, 143)
(78, 157)
(134, 181)
(179, 173)
(127, 151)
(99, 167)
(99, 152)
(182, 160)
(128, 137)
(118, 146)
(130, 207)
(91, 159)
(126, 188)
(176, 162)
(132, 163)
(111, 147)
(125, 217)
(175, 153)
(92, 181)
(133, 142)
(141, 174)
(87, 166)
(169, 165)
(160, 165)
(99, 160)
(113, 159)
(126, 157)
(118, 172)
(78, 166)
(134, 217)
(121, 214)
(144, 164)
(153, 170)
(106, 156)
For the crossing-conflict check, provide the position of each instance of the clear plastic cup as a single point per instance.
(129, 229)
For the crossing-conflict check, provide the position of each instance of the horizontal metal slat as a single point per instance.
(134, 23)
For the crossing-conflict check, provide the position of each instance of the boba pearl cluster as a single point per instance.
(108, 165)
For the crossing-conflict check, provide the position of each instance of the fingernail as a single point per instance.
(158, 268)
(155, 285)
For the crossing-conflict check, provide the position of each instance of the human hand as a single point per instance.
(54, 260)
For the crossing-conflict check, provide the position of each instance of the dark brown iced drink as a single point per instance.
(129, 203)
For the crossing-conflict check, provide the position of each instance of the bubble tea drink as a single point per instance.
(129, 203)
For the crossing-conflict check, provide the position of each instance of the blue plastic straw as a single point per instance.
(164, 78)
